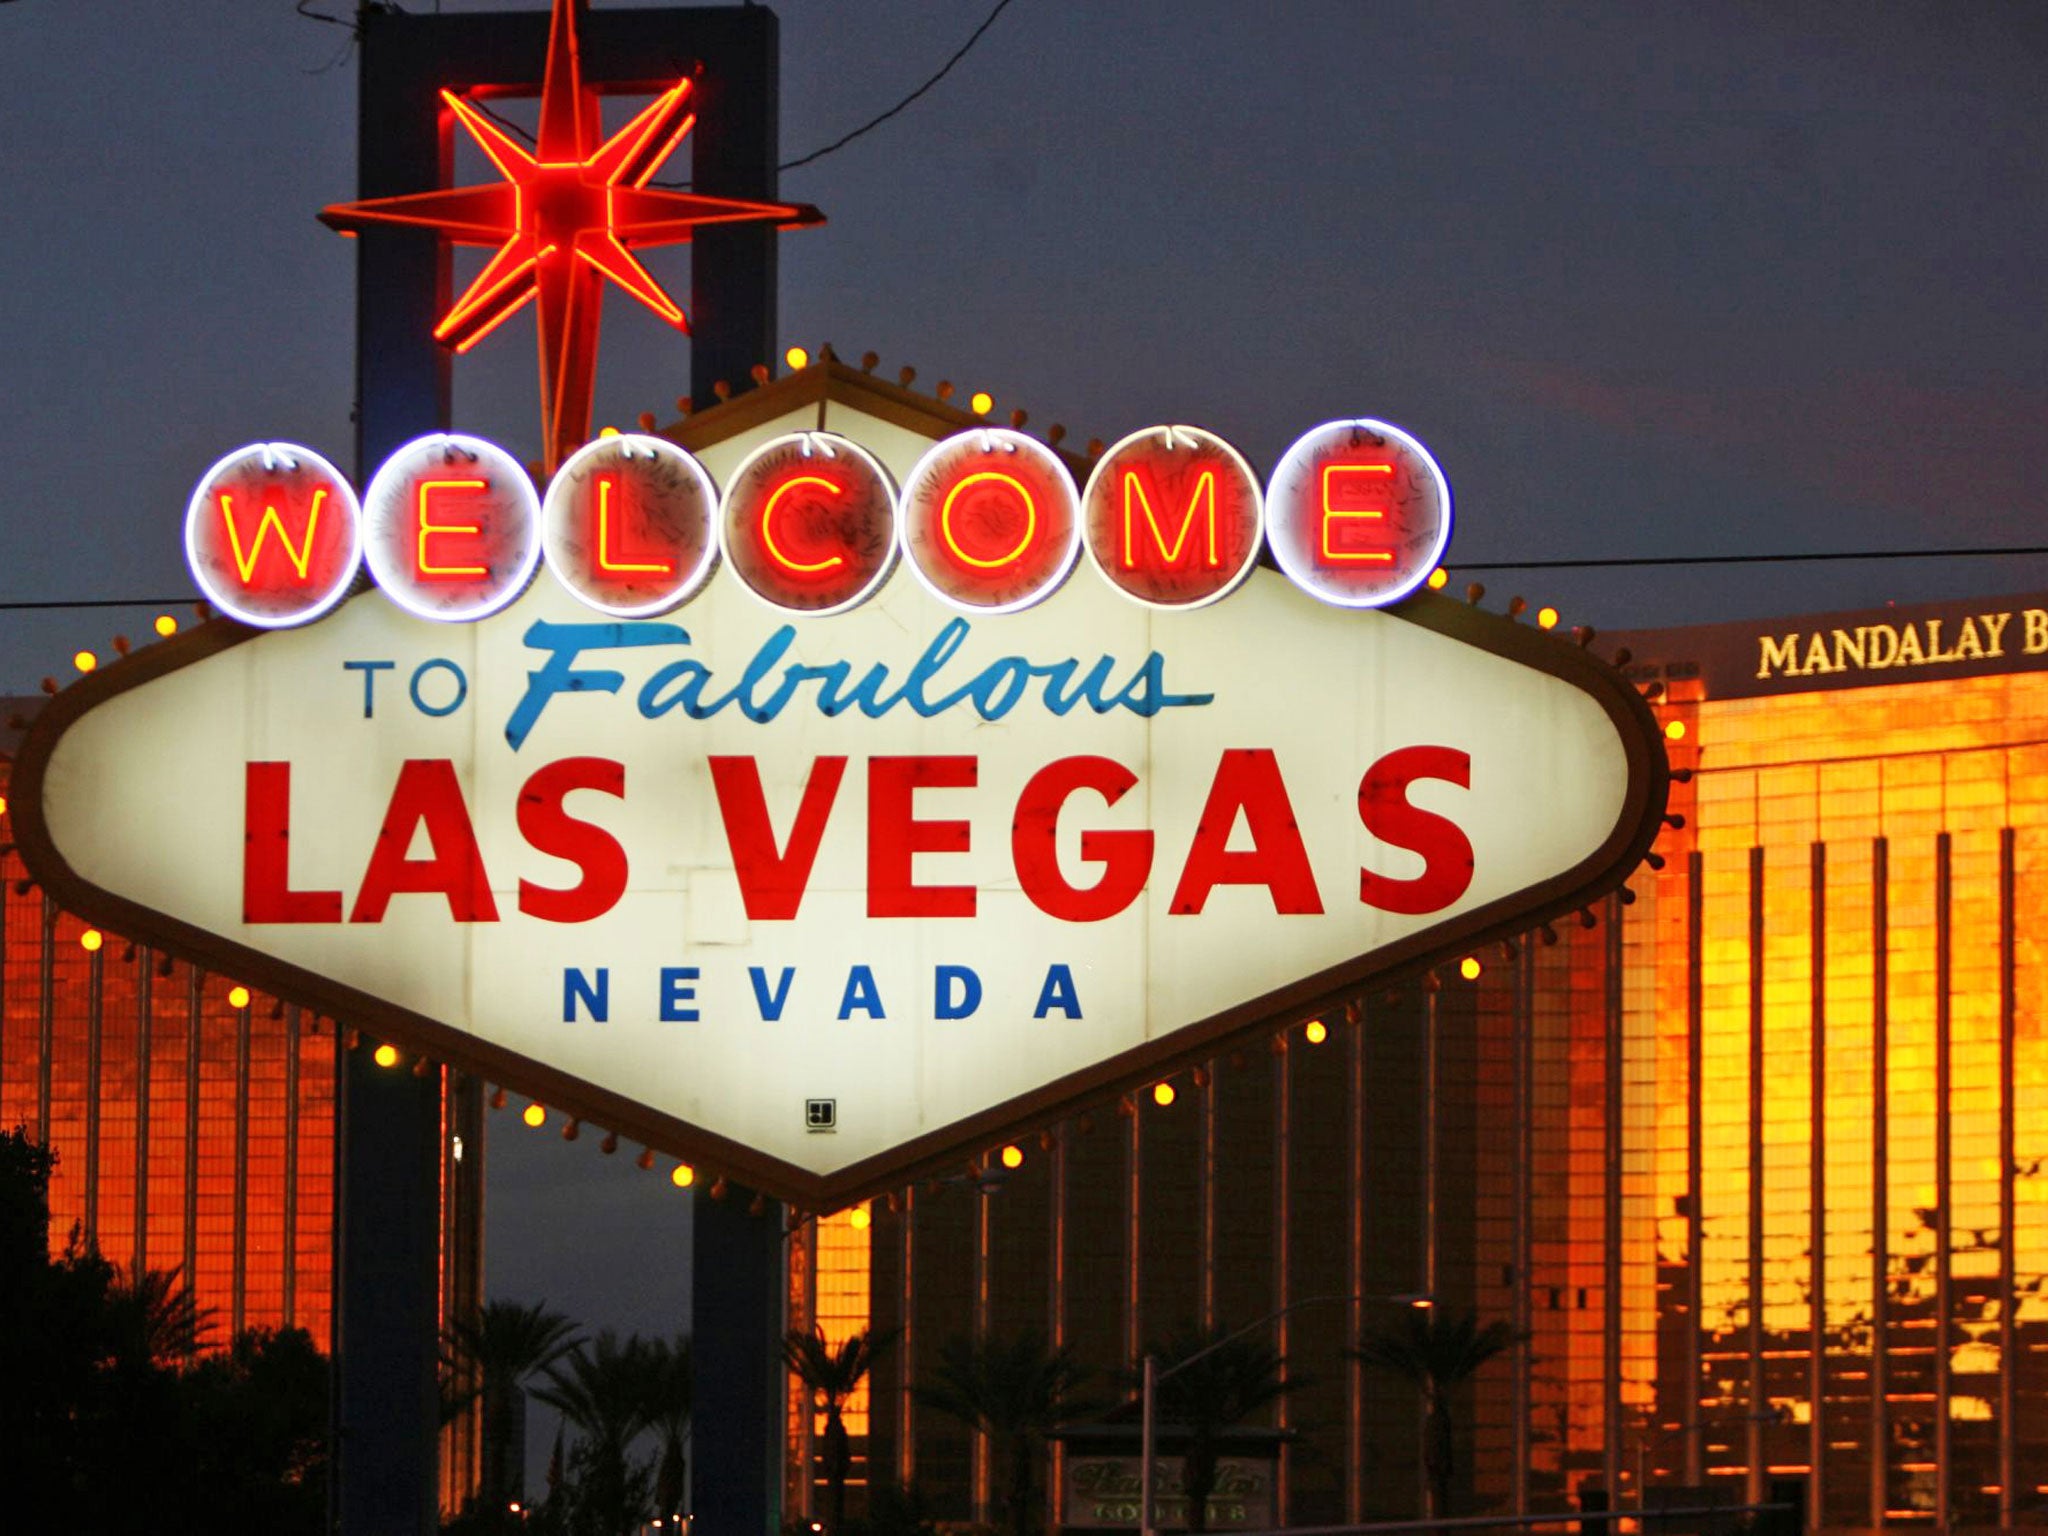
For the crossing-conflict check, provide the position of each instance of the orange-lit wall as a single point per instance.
(190, 1134)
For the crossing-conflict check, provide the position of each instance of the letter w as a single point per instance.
(772, 880)
(1135, 501)
(245, 562)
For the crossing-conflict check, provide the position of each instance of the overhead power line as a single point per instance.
(1606, 563)
(877, 121)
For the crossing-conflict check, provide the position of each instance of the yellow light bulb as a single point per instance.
(1162, 1094)
(166, 625)
(1316, 1032)
(797, 358)
(607, 431)
(1439, 579)
(238, 997)
(385, 1055)
(534, 1115)
(85, 661)
(1013, 1157)
(682, 1176)
(91, 940)
(983, 402)
(1469, 968)
(1674, 730)
(1547, 617)
(859, 1218)
(3, 805)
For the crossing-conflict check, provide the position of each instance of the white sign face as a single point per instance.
(691, 876)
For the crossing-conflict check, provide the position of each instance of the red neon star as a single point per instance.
(567, 216)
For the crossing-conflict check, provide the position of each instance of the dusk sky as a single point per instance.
(1709, 279)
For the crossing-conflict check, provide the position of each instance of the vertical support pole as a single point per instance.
(388, 1285)
(734, 150)
(736, 1320)
(389, 1123)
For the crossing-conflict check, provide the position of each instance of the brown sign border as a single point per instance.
(934, 1151)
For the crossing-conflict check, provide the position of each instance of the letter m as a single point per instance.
(246, 555)
(1202, 498)
(1781, 655)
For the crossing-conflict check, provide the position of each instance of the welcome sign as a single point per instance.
(824, 896)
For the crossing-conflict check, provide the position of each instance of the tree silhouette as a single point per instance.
(108, 1422)
(831, 1376)
(602, 1389)
(157, 1319)
(1438, 1356)
(1013, 1391)
(492, 1356)
(1233, 1379)
(671, 1382)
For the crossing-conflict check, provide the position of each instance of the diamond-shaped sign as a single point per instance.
(823, 901)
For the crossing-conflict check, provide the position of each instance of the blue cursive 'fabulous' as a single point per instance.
(765, 688)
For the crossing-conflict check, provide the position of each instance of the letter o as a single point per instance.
(990, 521)
(438, 664)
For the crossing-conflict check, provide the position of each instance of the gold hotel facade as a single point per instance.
(1754, 1156)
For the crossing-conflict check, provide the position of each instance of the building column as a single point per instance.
(1944, 1177)
(1817, 1188)
(1880, 1176)
(1695, 1169)
(145, 981)
(2008, 1247)
(1755, 1485)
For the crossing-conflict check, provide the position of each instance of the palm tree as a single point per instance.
(492, 1355)
(1221, 1381)
(157, 1319)
(1439, 1356)
(671, 1384)
(1013, 1392)
(832, 1376)
(603, 1390)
